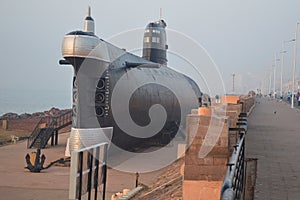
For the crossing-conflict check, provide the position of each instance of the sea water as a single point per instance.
(30, 101)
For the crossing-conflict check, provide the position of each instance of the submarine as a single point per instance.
(143, 99)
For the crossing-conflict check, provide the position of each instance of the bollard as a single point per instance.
(5, 125)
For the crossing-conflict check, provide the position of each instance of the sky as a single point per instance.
(240, 36)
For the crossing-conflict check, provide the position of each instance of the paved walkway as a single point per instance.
(274, 138)
(18, 183)
(53, 183)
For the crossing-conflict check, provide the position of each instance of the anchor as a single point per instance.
(35, 162)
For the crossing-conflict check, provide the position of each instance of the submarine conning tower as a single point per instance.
(155, 42)
(81, 44)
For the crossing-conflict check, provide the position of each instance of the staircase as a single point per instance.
(48, 127)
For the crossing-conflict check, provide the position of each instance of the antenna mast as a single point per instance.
(233, 75)
(160, 13)
(89, 11)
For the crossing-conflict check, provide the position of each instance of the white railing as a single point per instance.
(88, 173)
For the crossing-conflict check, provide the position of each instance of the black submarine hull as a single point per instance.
(176, 101)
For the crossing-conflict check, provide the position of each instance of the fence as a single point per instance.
(88, 172)
(233, 185)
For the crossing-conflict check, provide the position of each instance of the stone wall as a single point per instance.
(210, 167)
(206, 170)
(26, 125)
(247, 102)
(205, 165)
(22, 124)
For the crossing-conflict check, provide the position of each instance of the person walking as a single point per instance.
(289, 97)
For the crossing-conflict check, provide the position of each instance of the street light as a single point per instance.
(270, 81)
(233, 75)
(294, 68)
(266, 83)
(282, 64)
(281, 67)
(274, 92)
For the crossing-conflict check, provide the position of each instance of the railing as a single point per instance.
(36, 131)
(88, 172)
(34, 134)
(46, 134)
(233, 185)
(48, 124)
(63, 120)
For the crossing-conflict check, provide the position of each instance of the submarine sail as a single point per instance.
(155, 42)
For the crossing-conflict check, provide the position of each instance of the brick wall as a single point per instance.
(203, 175)
(22, 124)
(212, 167)
(247, 102)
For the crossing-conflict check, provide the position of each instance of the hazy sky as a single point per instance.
(241, 36)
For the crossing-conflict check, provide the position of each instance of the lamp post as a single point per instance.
(233, 75)
(264, 87)
(294, 67)
(282, 65)
(274, 83)
(266, 84)
(270, 81)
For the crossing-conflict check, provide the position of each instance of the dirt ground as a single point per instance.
(53, 183)
(18, 183)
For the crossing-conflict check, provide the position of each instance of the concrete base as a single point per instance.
(201, 190)
(232, 99)
(205, 111)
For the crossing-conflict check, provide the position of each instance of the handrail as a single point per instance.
(233, 184)
(63, 119)
(35, 133)
(52, 122)
(45, 137)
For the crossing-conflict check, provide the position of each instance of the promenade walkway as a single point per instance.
(274, 138)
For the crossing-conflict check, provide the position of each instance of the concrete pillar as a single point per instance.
(203, 176)
(205, 111)
(248, 102)
(230, 99)
(233, 111)
(56, 137)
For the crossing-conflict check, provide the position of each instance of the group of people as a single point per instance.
(297, 97)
